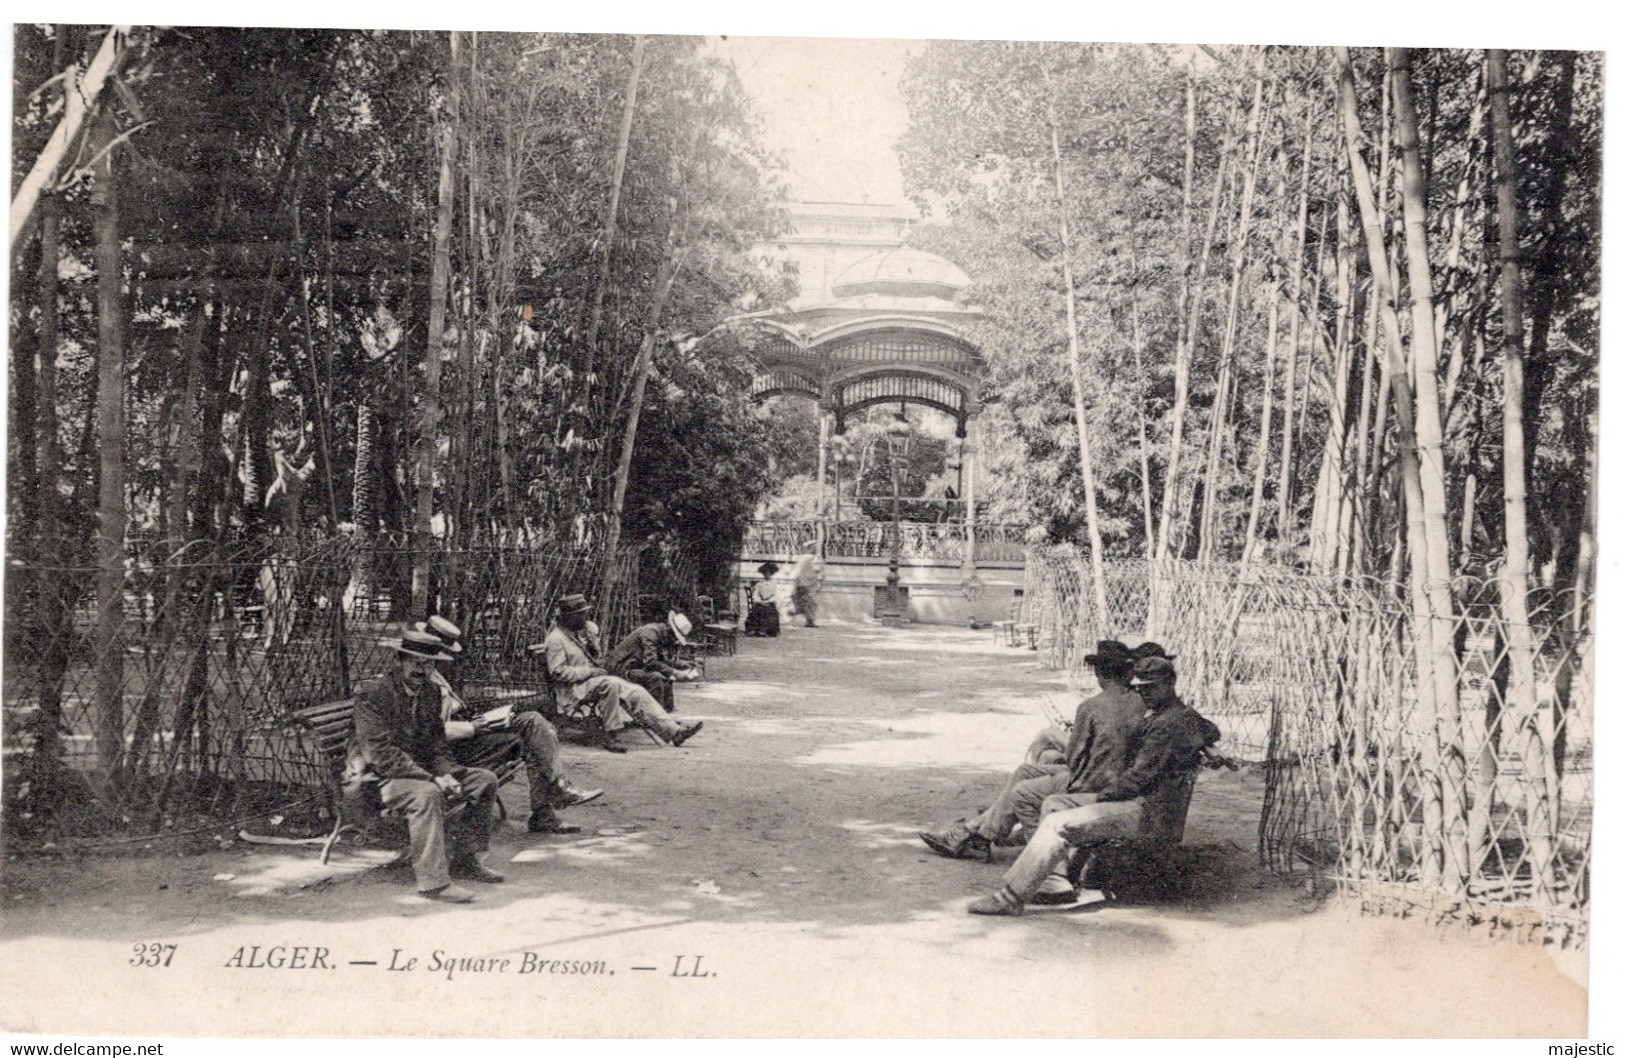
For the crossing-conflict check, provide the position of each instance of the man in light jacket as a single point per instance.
(582, 683)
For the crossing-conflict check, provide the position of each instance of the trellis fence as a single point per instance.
(172, 708)
(1489, 803)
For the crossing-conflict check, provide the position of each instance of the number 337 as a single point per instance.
(152, 954)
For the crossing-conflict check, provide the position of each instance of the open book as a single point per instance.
(496, 719)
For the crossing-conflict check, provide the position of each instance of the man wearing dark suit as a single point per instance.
(641, 657)
(400, 740)
(1165, 749)
(1096, 751)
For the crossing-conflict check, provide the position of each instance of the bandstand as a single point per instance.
(888, 331)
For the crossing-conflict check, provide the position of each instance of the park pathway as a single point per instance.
(769, 878)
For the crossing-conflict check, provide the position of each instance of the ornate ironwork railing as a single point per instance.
(939, 541)
(781, 539)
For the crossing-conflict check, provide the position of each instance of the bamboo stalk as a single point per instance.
(1521, 692)
(439, 279)
(1441, 660)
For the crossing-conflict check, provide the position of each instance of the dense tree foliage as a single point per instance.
(276, 201)
(1235, 371)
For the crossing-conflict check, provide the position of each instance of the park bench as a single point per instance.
(1150, 860)
(331, 727)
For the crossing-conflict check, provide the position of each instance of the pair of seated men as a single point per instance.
(417, 740)
(1127, 760)
(401, 743)
(614, 691)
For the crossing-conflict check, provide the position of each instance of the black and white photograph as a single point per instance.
(530, 532)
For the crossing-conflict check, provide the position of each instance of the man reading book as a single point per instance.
(474, 736)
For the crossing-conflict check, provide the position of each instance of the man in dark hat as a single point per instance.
(1096, 752)
(1149, 649)
(1169, 745)
(579, 679)
(400, 738)
(642, 657)
(474, 738)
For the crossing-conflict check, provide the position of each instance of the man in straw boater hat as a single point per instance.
(474, 737)
(580, 678)
(1097, 749)
(1169, 744)
(400, 737)
(641, 657)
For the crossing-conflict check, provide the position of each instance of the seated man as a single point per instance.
(1096, 750)
(579, 680)
(641, 657)
(474, 738)
(400, 740)
(1168, 746)
(1049, 746)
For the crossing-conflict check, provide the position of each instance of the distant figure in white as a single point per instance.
(279, 574)
(276, 583)
(806, 576)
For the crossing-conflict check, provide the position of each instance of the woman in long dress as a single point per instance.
(763, 616)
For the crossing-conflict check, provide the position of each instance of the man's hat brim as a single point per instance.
(412, 649)
(671, 623)
(450, 646)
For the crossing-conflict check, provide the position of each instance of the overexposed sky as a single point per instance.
(831, 106)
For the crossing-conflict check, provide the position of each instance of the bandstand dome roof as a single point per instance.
(901, 273)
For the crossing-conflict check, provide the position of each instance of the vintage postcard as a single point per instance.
(515, 533)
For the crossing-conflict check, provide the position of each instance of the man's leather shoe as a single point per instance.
(475, 871)
(1054, 891)
(550, 824)
(1003, 902)
(611, 743)
(449, 894)
(687, 732)
(959, 842)
(569, 795)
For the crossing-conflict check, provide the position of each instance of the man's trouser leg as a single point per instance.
(469, 833)
(541, 751)
(1027, 781)
(424, 806)
(657, 684)
(1034, 803)
(1060, 832)
(603, 695)
(645, 711)
(1048, 748)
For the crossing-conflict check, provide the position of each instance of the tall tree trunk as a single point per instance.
(612, 214)
(111, 513)
(1190, 301)
(1430, 449)
(1218, 416)
(79, 99)
(1289, 393)
(439, 277)
(54, 611)
(1521, 695)
(1262, 448)
(1433, 855)
(1137, 339)
(1097, 566)
(640, 377)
